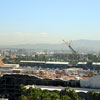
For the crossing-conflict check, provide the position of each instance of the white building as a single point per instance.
(9, 66)
(93, 82)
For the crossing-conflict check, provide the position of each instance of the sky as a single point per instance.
(48, 21)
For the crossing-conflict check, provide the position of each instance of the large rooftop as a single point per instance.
(10, 65)
(49, 62)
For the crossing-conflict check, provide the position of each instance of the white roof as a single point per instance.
(92, 82)
(28, 86)
(66, 63)
(74, 69)
(50, 89)
(17, 69)
(96, 63)
(82, 63)
(10, 65)
(59, 88)
(33, 61)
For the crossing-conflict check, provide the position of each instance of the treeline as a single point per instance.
(92, 95)
(38, 94)
(72, 58)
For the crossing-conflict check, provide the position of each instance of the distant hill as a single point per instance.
(78, 45)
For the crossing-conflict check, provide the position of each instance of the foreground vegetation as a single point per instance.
(92, 95)
(37, 94)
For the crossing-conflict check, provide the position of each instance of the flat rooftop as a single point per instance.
(49, 62)
(59, 88)
(10, 65)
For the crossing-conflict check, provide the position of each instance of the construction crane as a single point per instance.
(69, 45)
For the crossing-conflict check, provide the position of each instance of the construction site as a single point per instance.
(48, 73)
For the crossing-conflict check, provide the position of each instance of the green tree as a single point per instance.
(54, 96)
(73, 95)
(91, 94)
(65, 97)
(22, 97)
(23, 89)
(46, 95)
(34, 93)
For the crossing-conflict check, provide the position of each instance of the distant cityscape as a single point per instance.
(70, 69)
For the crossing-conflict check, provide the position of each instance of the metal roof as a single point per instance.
(96, 63)
(82, 63)
(32, 61)
(66, 63)
(10, 65)
(85, 90)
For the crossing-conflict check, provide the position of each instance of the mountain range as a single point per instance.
(79, 45)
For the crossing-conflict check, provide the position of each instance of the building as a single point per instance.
(57, 64)
(81, 64)
(44, 64)
(96, 65)
(9, 66)
(92, 82)
(1, 62)
(32, 63)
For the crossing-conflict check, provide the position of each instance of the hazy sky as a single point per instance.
(48, 21)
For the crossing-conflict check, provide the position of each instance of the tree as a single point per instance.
(73, 95)
(22, 97)
(22, 89)
(65, 97)
(55, 96)
(67, 90)
(34, 93)
(91, 94)
(46, 95)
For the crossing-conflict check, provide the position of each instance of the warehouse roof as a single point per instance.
(82, 63)
(32, 61)
(10, 65)
(57, 63)
(96, 63)
(45, 62)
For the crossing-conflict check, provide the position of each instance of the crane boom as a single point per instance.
(69, 45)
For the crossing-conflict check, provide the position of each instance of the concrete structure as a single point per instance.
(9, 66)
(44, 64)
(32, 63)
(28, 86)
(1, 62)
(57, 64)
(85, 90)
(48, 64)
(96, 65)
(9, 84)
(81, 64)
(93, 82)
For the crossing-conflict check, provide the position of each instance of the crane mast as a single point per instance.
(69, 45)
